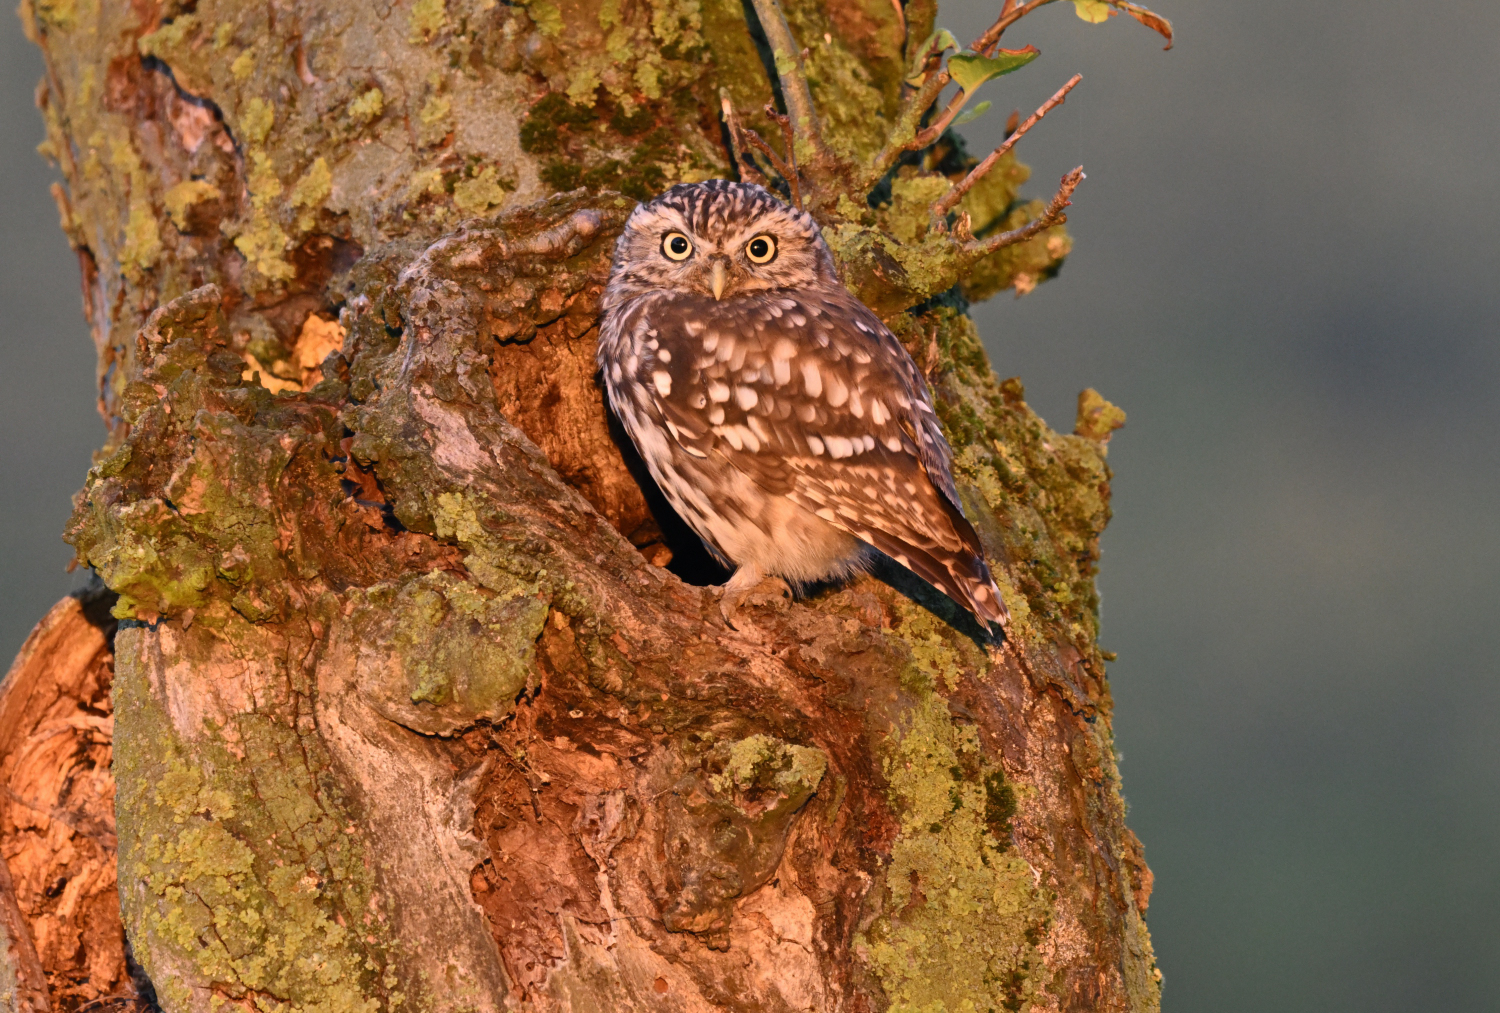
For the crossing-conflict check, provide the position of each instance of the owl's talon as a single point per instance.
(749, 586)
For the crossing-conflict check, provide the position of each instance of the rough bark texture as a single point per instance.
(408, 713)
(58, 902)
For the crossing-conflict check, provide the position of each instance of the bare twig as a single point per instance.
(1009, 15)
(794, 91)
(742, 136)
(956, 193)
(935, 130)
(785, 123)
(1055, 214)
(748, 170)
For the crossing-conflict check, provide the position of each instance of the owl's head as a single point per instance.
(720, 239)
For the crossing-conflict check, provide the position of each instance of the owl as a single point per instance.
(781, 419)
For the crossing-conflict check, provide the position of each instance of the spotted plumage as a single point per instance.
(781, 419)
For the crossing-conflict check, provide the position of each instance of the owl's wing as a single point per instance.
(814, 399)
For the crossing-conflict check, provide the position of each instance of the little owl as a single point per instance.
(779, 416)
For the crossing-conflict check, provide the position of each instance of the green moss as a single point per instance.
(548, 124)
(963, 911)
(854, 81)
(458, 653)
(795, 771)
(237, 854)
(909, 212)
(934, 650)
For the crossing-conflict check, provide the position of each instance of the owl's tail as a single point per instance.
(962, 576)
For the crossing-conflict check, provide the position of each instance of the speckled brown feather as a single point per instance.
(787, 381)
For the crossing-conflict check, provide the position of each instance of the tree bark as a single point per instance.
(409, 712)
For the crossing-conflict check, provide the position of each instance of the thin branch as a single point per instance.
(741, 135)
(956, 193)
(935, 130)
(1009, 15)
(785, 123)
(746, 166)
(1056, 214)
(912, 108)
(794, 90)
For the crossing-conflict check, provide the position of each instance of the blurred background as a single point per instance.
(1284, 270)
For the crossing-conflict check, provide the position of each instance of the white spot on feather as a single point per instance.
(812, 379)
(745, 397)
(662, 381)
(837, 392)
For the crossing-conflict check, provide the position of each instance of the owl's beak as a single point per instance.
(716, 280)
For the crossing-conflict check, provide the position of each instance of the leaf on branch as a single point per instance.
(970, 70)
(940, 37)
(973, 114)
(1095, 12)
(1098, 11)
(1150, 19)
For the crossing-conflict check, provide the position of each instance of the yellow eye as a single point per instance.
(676, 246)
(761, 249)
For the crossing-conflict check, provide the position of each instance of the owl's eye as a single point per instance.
(676, 246)
(761, 249)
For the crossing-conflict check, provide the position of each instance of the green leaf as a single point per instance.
(1093, 11)
(970, 70)
(973, 114)
(944, 40)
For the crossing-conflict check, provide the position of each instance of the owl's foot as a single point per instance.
(751, 586)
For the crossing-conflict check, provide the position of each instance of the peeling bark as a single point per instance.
(408, 712)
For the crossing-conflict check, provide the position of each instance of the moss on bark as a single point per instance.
(387, 640)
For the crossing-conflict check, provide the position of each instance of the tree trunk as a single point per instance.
(412, 707)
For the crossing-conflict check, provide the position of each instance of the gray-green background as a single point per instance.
(1284, 270)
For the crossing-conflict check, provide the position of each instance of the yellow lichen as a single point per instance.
(478, 195)
(182, 196)
(965, 911)
(428, 17)
(168, 36)
(435, 109)
(367, 106)
(547, 18)
(243, 66)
